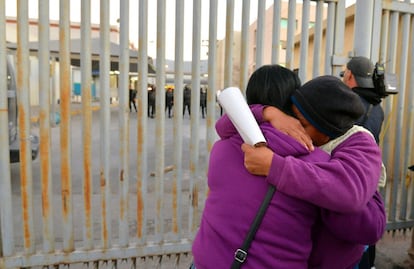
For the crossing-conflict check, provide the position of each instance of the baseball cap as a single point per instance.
(362, 69)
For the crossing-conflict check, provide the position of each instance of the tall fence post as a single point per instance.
(363, 26)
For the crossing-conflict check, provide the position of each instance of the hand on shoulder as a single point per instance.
(288, 125)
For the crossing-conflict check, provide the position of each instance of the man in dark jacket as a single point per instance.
(151, 101)
(169, 100)
(358, 75)
(203, 102)
(132, 96)
(187, 100)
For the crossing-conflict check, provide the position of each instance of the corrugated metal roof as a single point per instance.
(75, 47)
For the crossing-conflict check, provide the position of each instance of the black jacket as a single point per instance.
(374, 114)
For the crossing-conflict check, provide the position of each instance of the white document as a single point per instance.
(235, 106)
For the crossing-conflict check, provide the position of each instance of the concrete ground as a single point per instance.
(392, 251)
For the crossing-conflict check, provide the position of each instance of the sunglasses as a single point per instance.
(341, 74)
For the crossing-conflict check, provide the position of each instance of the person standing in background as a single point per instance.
(169, 100)
(132, 96)
(358, 76)
(151, 101)
(203, 102)
(187, 100)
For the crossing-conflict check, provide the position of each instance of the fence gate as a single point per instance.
(114, 188)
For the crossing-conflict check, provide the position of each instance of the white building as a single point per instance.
(75, 45)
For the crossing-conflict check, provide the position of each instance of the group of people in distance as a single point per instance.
(169, 100)
(151, 100)
(323, 158)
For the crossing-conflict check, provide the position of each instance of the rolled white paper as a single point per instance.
(235, 106)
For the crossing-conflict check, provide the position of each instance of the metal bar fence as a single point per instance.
(45, 135)
(86, 67)
(160, 122)
(124, 104)
(142, 126)
(397, 124)
(149, 219)
(6, 211)
(65, 127)
(26, 177)
(178, 228)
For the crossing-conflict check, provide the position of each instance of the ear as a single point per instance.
(352, 81)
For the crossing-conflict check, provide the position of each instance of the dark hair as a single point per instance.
(272, 85)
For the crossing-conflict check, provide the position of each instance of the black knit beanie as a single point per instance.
(329, 105)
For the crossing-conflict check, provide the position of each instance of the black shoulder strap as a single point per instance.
(241, 254)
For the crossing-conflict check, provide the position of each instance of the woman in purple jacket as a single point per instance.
(284, 239)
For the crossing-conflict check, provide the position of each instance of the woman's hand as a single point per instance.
(288, 125)
(257, 160)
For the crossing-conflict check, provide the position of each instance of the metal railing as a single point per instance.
(101, 205)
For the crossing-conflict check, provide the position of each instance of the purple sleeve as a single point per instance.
(225, 127)
(344, 184)
(365, 227)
